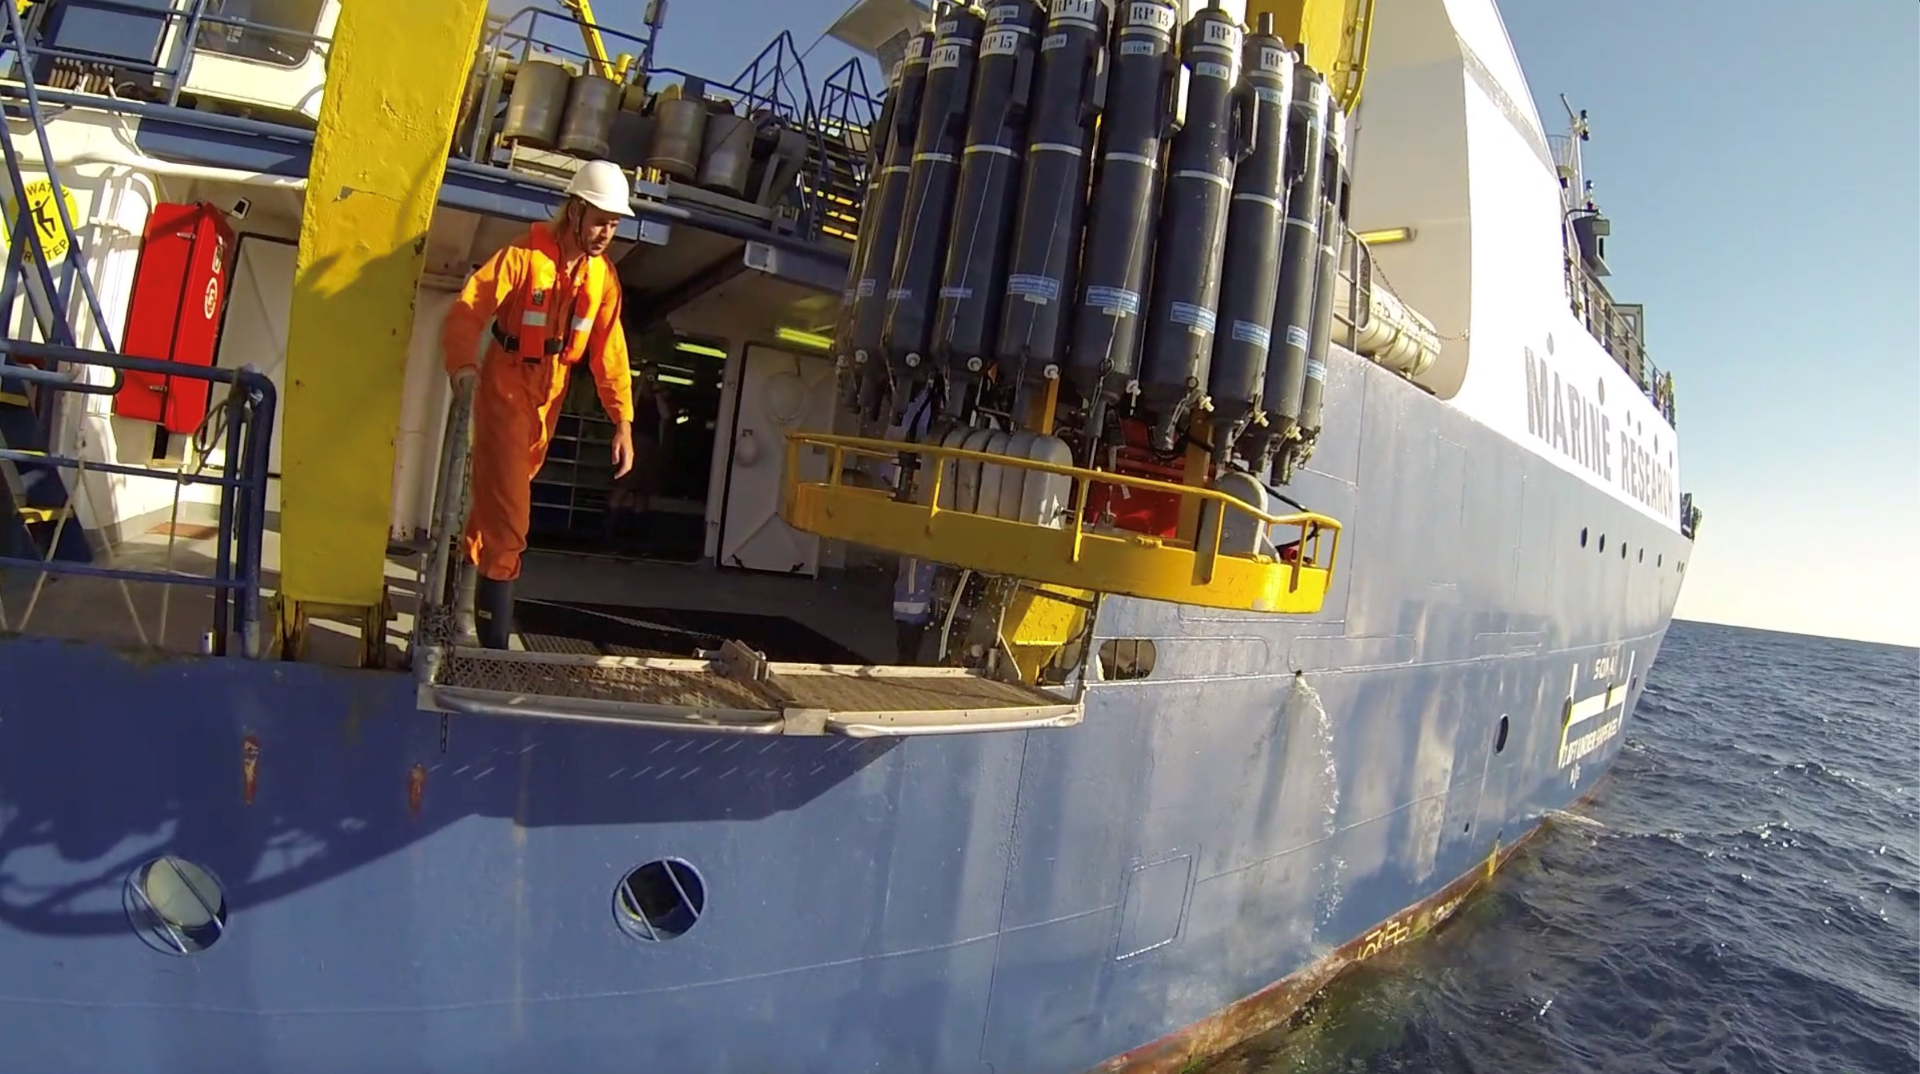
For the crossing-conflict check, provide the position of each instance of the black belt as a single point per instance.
(512, 343)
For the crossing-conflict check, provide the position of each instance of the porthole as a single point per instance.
(1642, 557)
(175, 906)
(1583, 537)
(1660, 560)
(1500, 736)
(1126, 658)
(1623, 551)
(660, 900)
(1603, 542)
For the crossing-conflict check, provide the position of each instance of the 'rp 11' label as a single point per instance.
(1083, 10)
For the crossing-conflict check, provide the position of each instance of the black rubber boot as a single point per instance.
(493, 612)
(466, 585)
(908, 637)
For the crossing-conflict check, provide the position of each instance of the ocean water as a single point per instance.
(1742, 895)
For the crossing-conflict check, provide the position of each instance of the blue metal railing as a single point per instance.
(172, 74)
(247, 416)
(247, 411)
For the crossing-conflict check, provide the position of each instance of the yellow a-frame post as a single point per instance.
(394, 80)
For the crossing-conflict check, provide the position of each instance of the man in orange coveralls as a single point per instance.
(553, 298)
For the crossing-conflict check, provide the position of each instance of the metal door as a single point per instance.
(779, 392)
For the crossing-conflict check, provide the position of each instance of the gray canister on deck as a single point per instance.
(591, 104)
(727, 153)
(539, 100)
(679, 127)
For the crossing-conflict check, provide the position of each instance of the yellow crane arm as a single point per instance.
(582, 11)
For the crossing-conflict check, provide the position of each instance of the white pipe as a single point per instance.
(185, 171)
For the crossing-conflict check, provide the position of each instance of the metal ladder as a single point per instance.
(730, 690)
(59, 371)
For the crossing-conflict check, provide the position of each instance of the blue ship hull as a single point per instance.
(407, 892)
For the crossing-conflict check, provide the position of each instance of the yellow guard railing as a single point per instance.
(1099, 559)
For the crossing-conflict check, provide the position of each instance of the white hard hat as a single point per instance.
(601, 184)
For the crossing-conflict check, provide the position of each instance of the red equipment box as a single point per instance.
(179, 291)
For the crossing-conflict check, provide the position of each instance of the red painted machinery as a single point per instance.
(179, 291)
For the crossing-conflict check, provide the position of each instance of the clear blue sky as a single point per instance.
(1761, 165)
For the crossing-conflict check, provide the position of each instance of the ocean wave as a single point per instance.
(1744, 894)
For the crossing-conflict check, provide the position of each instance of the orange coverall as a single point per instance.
(516, 404)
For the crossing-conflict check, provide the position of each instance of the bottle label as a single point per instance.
(1114, 301)
(1273, 60)
(1255, 334)
(1198, 319)
(1296, 336)
(946, 56)
(1220, 71)
(1155, 16)
(1000, 43)
(1038, 290)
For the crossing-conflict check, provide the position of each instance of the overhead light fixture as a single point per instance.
(1386, 235)
(803, 339)
(700, 348)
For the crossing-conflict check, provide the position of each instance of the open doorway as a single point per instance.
(658, 511)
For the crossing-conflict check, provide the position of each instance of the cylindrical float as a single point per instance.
(1126, 190)
(538, 102)
(966, 313)
(679, 129)
(726, 153)
(591, 104)
(1215, 134)
(1069, 96)
(1250, 266)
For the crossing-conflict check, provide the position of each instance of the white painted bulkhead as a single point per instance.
(1448, 142)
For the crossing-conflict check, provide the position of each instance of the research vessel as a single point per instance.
(1290, 513)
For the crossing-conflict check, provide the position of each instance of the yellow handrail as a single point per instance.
(1205, 554)
(883, 448)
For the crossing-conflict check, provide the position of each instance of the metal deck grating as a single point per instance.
(851, 699)
(860, 690)
(599, 680)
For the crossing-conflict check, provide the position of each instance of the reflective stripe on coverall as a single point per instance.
(552, 322)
